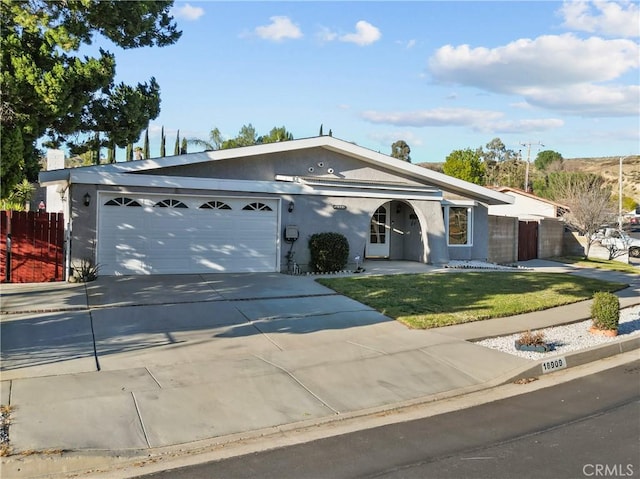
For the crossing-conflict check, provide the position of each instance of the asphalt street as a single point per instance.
(569, 430)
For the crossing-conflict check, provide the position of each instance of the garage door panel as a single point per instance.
(161, 240)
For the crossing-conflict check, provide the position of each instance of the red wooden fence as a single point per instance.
(32, 247)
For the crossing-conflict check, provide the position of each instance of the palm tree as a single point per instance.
(214, 143)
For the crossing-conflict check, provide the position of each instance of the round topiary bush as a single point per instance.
(605, 311)
(329, 252)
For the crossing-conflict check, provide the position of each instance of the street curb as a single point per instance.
(129, 463)
(578, 358)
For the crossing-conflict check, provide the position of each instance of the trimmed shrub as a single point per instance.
(605, 311)
(329, 252)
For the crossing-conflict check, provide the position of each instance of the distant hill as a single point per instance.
(608, 167)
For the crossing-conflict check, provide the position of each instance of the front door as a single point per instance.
(378, 240)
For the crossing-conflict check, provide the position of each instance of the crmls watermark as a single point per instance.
(607, 470)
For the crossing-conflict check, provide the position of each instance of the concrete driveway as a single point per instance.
(137, 363)
(117, 322)
(152, 361)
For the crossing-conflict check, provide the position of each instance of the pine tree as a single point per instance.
(163, 143)
(96, 149)
(111, 153)
(176, 147)
(146, 152)
(320, 129)
(183, 150)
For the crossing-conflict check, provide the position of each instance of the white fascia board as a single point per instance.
(53, 177)
(470, 203)
(326, 187)
(245, 186)
(388, 194)
(158, 181)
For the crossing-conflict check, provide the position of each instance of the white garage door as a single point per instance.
(149, 234)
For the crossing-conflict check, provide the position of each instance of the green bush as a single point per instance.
(605, 311)
(329, 252)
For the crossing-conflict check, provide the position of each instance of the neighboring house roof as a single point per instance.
(120, 173)
(508, 189)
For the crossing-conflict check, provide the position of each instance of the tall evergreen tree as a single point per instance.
(183, 149)
(163, 143)
(12, 159)
(176, 147)
(96, 148)
(111, 153)
(146, 151)
(48, 89)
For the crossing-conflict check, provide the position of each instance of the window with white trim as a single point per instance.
(459, 223)
(215, 205)
(257, 207)
(170, 203)
(122, 201)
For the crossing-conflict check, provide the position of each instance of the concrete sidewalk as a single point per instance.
(127, 365)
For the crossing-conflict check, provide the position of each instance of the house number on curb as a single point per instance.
(554, 365)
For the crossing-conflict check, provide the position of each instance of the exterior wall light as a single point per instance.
(291, 206)
(87, 199)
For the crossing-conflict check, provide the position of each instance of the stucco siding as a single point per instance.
(418, 239)
(297, 163)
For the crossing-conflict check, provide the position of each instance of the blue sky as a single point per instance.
(440, 75)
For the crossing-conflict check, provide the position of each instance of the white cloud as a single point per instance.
(521, 104)
(434, 117)
(187, 12)
(545, 69)
(589, 100)
(485, 121)
(608, 18)
(387, 139)
(365, 34)
(520, 126)
(279, 29)
(326, 35)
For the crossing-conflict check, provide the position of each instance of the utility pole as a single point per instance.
(620, 195)
(526, 175)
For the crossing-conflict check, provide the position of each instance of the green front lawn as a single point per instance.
(440, 299)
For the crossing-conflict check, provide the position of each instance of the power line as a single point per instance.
(526, 176)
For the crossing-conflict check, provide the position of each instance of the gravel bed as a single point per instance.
(469, 264)
(571, 337)
(4, 426)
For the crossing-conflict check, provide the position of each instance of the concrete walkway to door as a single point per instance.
(132, 364)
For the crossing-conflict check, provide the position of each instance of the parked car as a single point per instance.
(621, 241)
